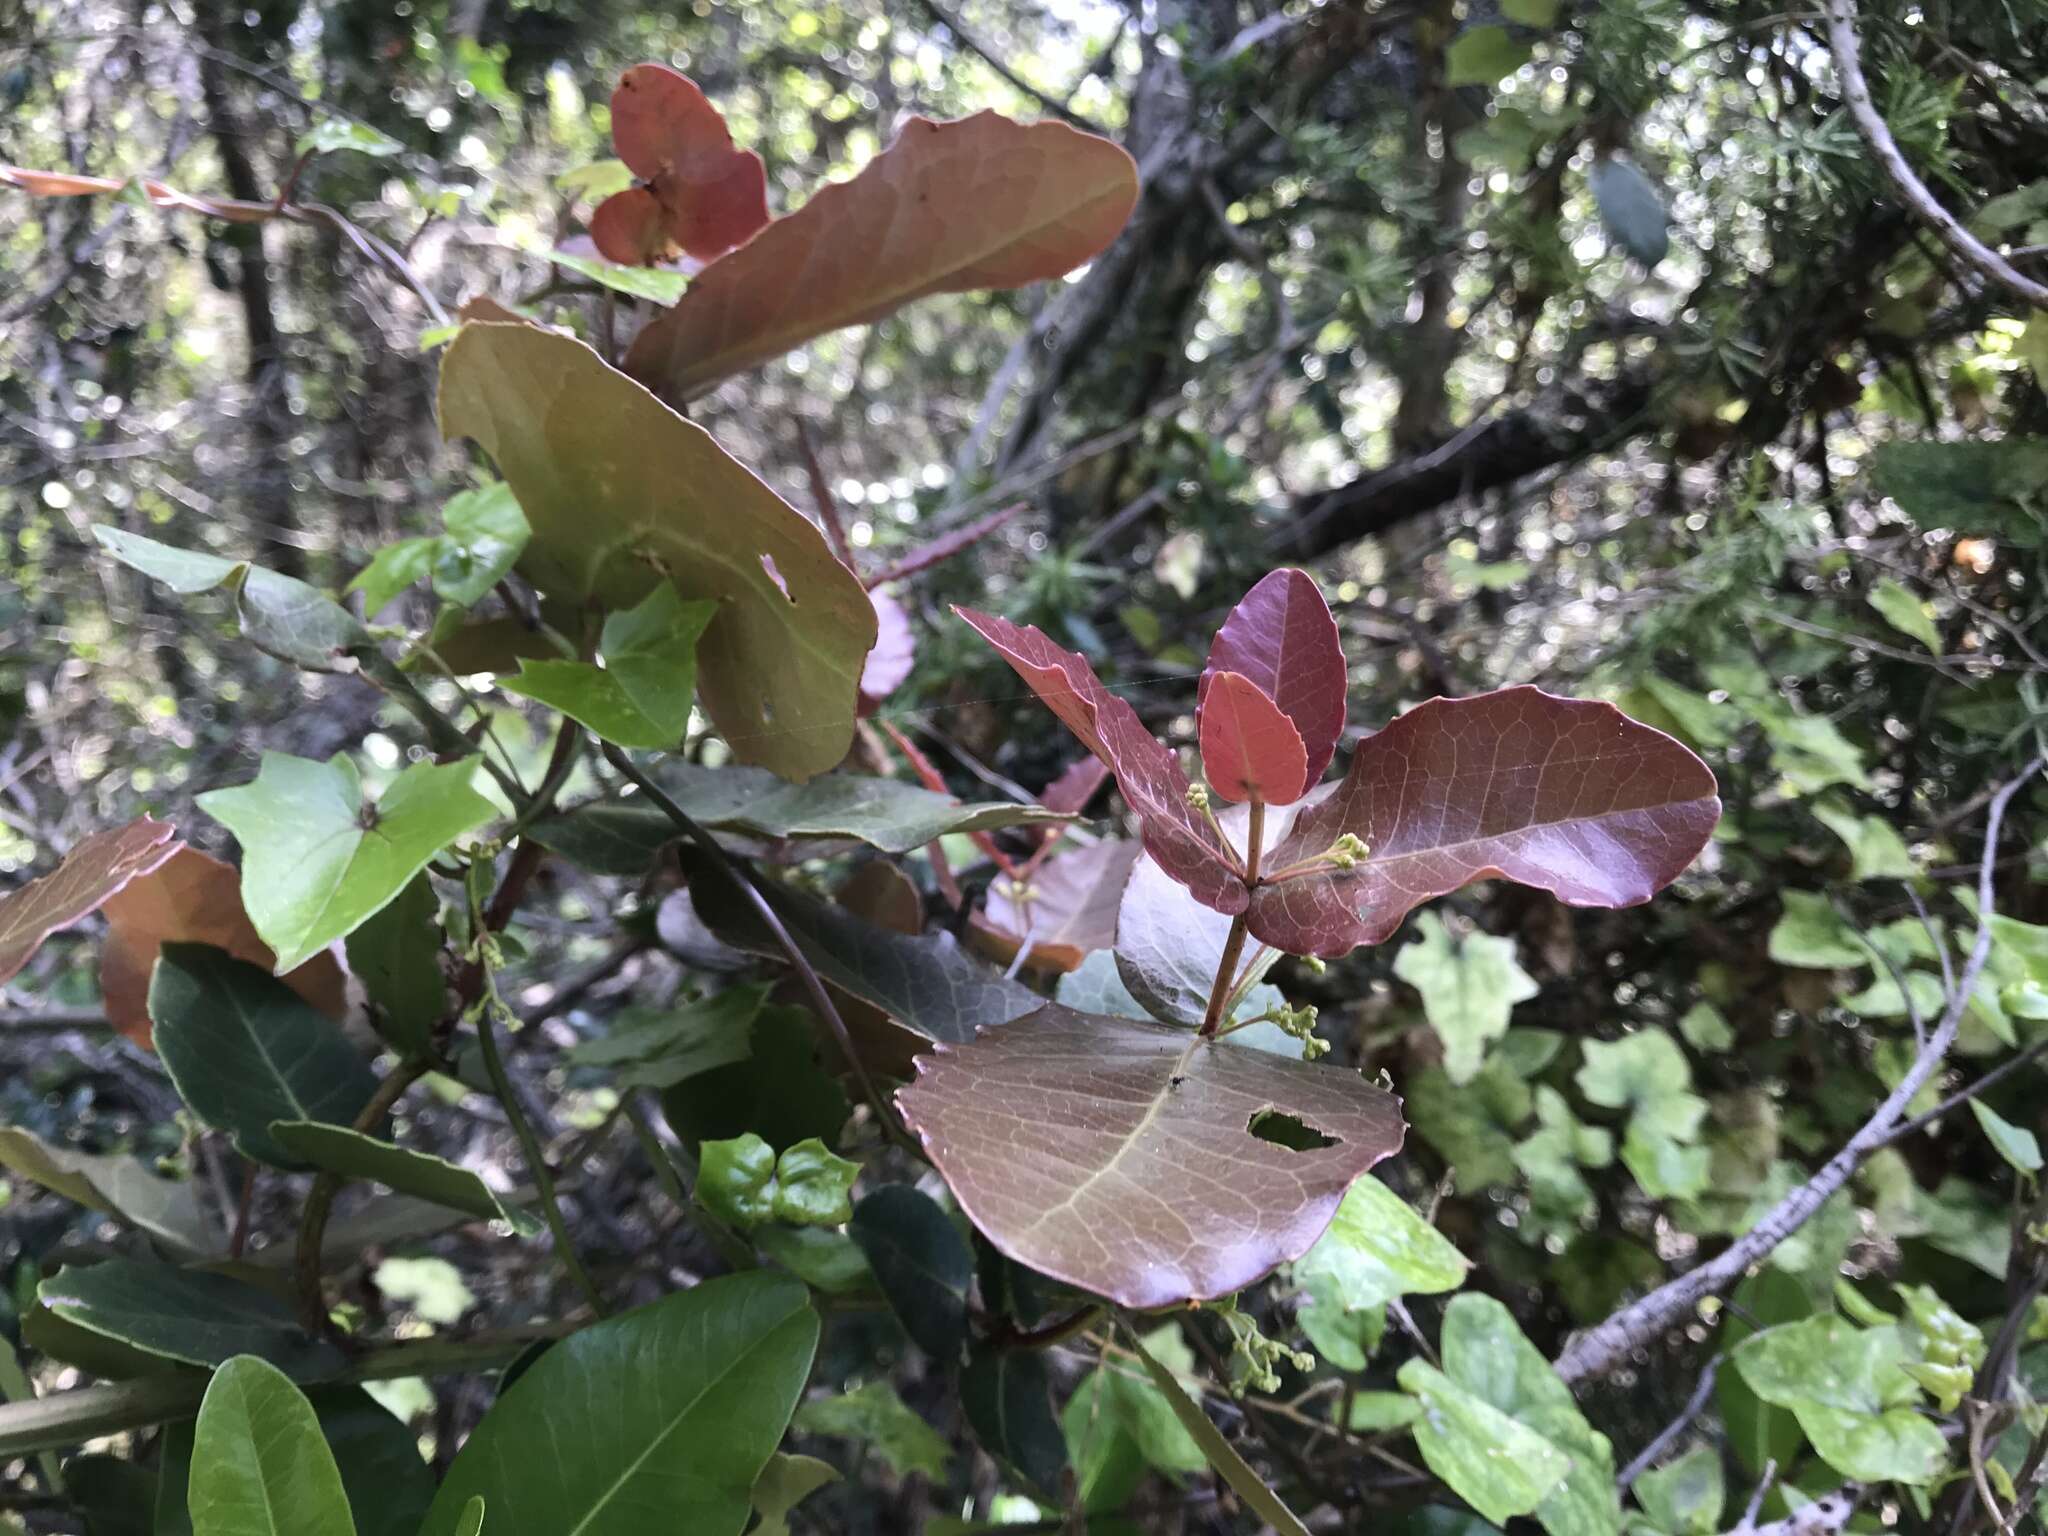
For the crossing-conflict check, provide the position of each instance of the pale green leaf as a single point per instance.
(1499, 1467)
(1906, 613)
(1469, 985)
(260, 1466)
(1376, 1249)
(2016, 1144)
(329, 134)
(876, 1417)
(641, 696)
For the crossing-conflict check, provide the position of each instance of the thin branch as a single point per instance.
(1911, 189)
(1607, 1344)
(1668, 1436)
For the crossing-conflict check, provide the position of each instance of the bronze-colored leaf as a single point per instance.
(192, 898)
(1064, 910)
(620, 490)
(946, 208)
(91, 873)
(1567, 795)
(1082, 1148)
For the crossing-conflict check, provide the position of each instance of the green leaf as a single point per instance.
(1483, 56)
(783, 1484)
(1470, 1126)
(1812, 935)
(355, 1155)
(875, 1416)
(432, 1288)
(188, 1315)
(1684, 1497)
(922, 1264)
(1373, 1412)
(1487, 1354)
(1468, 984)
(597, 180)
(1705, 1028)
(1162, 1440)
(471, 1521)
(335, 133)
(260, 1466)
(1006, 1397)
(641, 696)
(1378, 1248)
(664, 1414)
(1531, 13)
(745, 1183)
(830, 1261)
(389, 1485)
(1849, 1390)
(396, 954)
(1108, 1466)
(1632, 209)
(245, 1050)
(661, 1047)
(1876, 851)
(622, 493)
(279, 615)
(1645, 1073)
(1499, 1467)
(1760, 1432)
(391, 570)
(1345, 1339)
(122, 1187)
(1906, 613)
(318, 861)
(778, 1091)
(1220, 1453)
(2015, 1144)
(1666, 1168)
(656, 283)
(485, 532)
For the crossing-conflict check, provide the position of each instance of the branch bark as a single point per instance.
(1601, 1348)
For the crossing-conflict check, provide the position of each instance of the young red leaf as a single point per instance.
(713, 196)
(1082, 1147)
(1281, 636)
(78, 887)
(1567, 795)
(1250, 751)
(947, 208)
(192, 898)
(631, 228)
(895, 653)
(1070, 793)
(1184, 844)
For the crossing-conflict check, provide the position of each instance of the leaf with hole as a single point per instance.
(1566, 795)
(318, 860)
(244, 1050)
(260, 1465)
(192, 898)
(946, 208)
(621, 492)
(1067, 1138)
(673, 1408)
(91, 873)
(188, 1315)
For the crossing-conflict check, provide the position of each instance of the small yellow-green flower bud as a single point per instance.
(1198, 796)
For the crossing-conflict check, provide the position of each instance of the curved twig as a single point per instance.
(1912, 190)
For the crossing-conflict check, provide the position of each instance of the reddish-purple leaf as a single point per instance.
(1076, 785)
(1567, 795)
(1282, 637)
(1064, 910)
(1185, 845)
(712, 196)
(1250, 751)
(631, 228)
(895, 653)
(948, 544)
(1071, 1143)
(78, 887)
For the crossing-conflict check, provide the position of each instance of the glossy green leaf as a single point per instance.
(1897, 605)
(642, 694)
(829, 1261)
(280, 615)
(1684, 1497)
(656, 283)
(665, 1414)
(318, 861)
(244, 1050)
(260, 1466)
(922, 1264)
(1141, 1411)
(484, 534)
(1759, 1432)
(188, 1315)
(396, 954)
(1376, 1249)
(1499, 1467)
(876, 1417)
(1006, 1396)
(743, 1182)
(121, 1186)
(1469, 984)
(471, 1521)
(355, 1155)
(1486, 1353)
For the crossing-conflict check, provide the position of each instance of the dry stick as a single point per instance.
(1871, 124)
(743, 877)
(1604, 1346)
